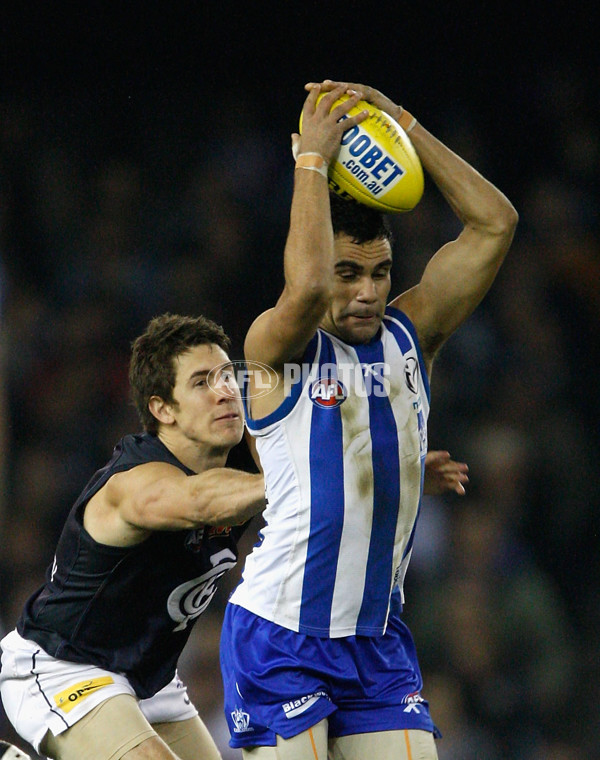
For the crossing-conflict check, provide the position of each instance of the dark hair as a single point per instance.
(152, 365)
(361, 223)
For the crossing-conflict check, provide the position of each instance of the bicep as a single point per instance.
(454, 282)
(150, 496)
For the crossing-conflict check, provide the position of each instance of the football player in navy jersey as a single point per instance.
(90, 671)
(315, 657)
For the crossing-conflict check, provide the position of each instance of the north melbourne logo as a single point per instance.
(411, 373)
(241, 721)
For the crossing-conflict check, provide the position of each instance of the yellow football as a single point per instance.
(377, 164)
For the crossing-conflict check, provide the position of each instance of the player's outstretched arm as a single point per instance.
(159, 496)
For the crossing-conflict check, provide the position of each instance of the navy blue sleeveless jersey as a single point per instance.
(128, 609)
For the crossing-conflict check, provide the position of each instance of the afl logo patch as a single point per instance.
(327, 392)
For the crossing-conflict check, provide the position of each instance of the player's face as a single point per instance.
(361, 287)
(208, 406)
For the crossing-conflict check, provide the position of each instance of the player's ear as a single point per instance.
(160, 409)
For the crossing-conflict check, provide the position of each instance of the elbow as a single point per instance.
(499, 223)
(315, 285)
(312, 295)
(319, 293)
(505, 220)
(510, 218)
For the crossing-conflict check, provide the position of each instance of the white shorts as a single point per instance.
(41, 693)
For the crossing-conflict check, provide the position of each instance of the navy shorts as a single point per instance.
(277, 681)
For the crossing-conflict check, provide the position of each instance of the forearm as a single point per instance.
(475, 200)
(226, 496)
(219, 496)
(459, 275)
(308, 255)
(283, 332)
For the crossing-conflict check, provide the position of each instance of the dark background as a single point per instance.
(145, 167)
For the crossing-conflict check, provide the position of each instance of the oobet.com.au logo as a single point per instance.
(255, 379)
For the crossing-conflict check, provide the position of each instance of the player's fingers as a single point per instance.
(456, 477)
(327, 85)
(450, 465)
(346, 105)
(352, 121)
(311, 100)
(367, 92)
(330, 97)
(436, 457)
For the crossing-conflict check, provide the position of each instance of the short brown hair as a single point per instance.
(152, 365)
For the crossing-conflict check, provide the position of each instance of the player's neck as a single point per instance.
(194, 455)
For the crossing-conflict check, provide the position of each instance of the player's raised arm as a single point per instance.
(283, 332)
(461, 272)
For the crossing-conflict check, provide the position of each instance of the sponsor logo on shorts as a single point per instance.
(412, 701)
(180, 685)
(69, 698)
(298, 706)
(241, 721)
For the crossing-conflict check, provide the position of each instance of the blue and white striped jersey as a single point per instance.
(343, 458)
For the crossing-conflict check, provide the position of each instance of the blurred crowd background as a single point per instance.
(130, 189)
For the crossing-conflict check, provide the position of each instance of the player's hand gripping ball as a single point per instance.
(377, 164)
